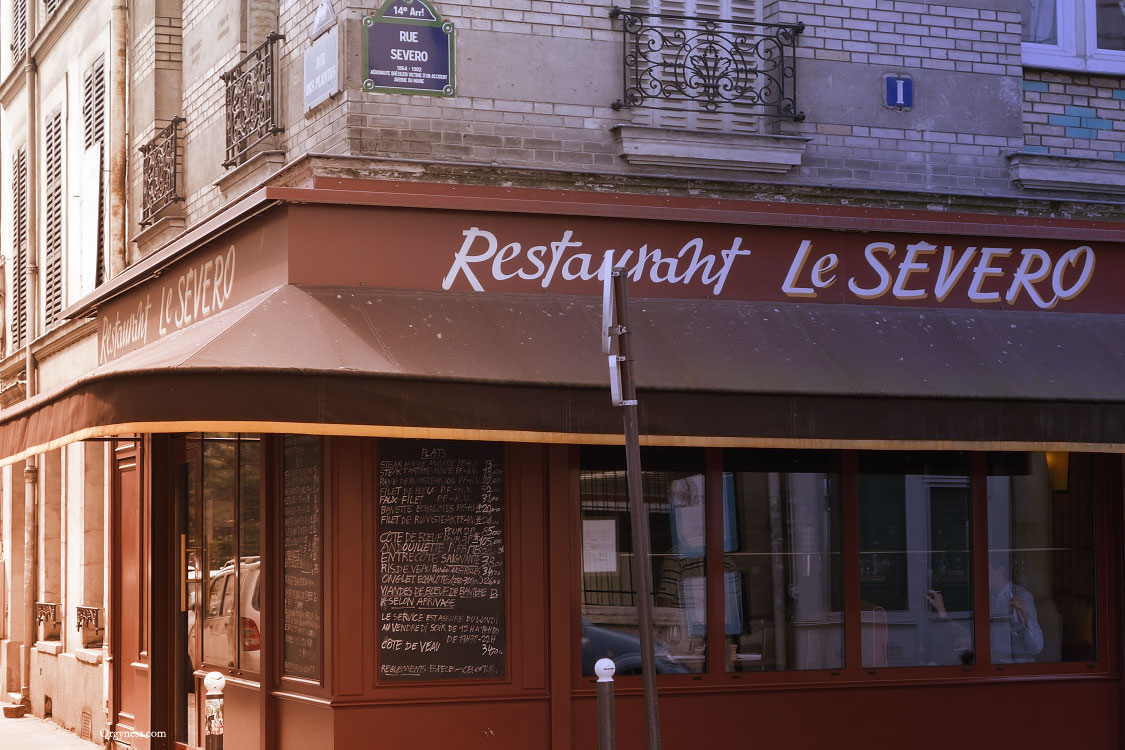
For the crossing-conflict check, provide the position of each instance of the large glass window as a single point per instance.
(673, 485)
(1041, 558)
(915, 559)
(781, 561)
(862, 563)
(231, 623)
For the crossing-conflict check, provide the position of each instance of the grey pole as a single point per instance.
(642, 551)
(213, 683)
(607, 721)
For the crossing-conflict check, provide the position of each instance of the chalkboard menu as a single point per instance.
(441, 560)
(300, 511)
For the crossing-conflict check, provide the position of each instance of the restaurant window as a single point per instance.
(951, 560)
(673, 487)
(1042, 559)
(781, 561)
(231, 622)
(915, 561)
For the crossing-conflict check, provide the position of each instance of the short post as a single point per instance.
(214, 683)
(607, 722)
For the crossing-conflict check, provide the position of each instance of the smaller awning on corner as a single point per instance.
(528, 367)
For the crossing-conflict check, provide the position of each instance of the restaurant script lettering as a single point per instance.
(900, 271)
(441, 560)
(198, 292)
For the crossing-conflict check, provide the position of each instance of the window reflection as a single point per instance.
(232, 545)
(1111, 24)
(915, 559)
(673, 490)
(781, 544)
(1041, 557)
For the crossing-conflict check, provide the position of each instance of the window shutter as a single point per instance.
(19, 249)
(52, 301)
(19, 27)
(52, 5)
(93, 119)
(731, 117)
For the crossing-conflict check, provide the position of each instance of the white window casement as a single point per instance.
(1077, 35)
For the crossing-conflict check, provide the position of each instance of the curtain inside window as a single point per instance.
(1039, 21)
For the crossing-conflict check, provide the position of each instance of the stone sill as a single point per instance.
(54, 648)
(93, 656)
(1046, 172)
(165, 222)
(255, 169)
(667, 147)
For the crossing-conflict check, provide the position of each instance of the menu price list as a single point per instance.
(441, 560)
(301, 503)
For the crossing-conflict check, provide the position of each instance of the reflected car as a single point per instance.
(221, 634)
(600, 642)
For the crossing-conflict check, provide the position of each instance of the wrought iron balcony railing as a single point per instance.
(696, 63)
(88, 617)
(47, 611)
(252, 100)
(161, 170)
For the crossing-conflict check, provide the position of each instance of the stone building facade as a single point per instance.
(1006, 113)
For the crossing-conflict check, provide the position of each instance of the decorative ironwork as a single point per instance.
(689, 62)
(251, 100)
(45, 610)
(88, 617)
(160, 181)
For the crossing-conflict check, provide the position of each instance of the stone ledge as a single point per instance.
(89, 655)
(164, 228)
(1046, 172)
(251, 172)
(49, 647)
(668, 147)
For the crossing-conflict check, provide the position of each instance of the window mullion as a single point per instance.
(853, 602)
(982, 606)
(713, 569)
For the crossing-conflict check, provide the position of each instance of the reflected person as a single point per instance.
(1016, 636)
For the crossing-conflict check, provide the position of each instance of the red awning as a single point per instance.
(528, 367)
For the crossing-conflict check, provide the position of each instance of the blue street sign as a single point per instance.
(900, 92)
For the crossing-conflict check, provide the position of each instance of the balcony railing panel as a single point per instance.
(161, 169)
(694, 63)
(252, 101)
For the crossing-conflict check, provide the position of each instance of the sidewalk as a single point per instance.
(30, 733)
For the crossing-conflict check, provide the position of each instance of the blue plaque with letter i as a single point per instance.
(408, 49)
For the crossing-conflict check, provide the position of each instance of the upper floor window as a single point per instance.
(1080, 35)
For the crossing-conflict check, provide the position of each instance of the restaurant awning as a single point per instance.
(526, 367)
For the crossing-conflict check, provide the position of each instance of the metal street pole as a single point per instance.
(642, 548)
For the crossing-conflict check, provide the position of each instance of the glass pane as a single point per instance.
(782, 562)
(249, 551)
(219, 488)
(1111, 24)
(1041, 557)
(915, 560)
(673, 489)
(1040, 21)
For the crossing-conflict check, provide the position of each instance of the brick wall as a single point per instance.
(1073, 115)
(975, 104)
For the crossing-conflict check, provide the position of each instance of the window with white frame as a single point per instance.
(1079, 35)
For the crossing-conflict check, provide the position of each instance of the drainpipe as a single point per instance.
(30, 473)
(30, 570)
(118, 133)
